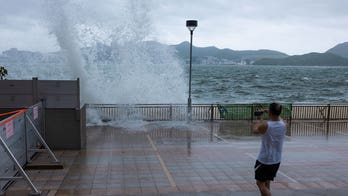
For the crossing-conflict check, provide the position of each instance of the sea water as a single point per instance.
(116, 65)
(264, 83)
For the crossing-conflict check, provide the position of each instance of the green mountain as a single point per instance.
(213, 55)
(311, 59)
(340, 50)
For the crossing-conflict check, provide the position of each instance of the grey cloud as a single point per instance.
(225, 23)
(270, 10)
(25, 8)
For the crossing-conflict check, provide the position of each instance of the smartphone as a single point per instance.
(258, 113)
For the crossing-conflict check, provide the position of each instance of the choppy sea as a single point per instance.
(255, 84)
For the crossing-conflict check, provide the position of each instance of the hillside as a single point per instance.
(340, 50)
(213, 55)
(311, 59)
(106, 54)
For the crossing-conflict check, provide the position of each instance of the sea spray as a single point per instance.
(114, 59)
(61, 26)
(117, 63)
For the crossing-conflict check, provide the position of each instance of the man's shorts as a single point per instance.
(265, 172)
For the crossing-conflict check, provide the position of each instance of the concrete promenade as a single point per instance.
(190, 162)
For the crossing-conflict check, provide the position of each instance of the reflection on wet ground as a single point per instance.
(175, 158)
(241, 129)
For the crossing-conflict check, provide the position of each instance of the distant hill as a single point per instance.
(340, 50)
(311, 59)
(15, 56)
(106, 54)
(213, 55)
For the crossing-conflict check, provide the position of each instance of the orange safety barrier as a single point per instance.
(16, 114)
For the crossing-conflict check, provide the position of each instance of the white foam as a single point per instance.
(93, 117)
(142, 125)
(116, 65)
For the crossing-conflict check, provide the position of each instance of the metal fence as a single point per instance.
(320, 112)
(20, 138)
(11, 133)
(302, 119)
(319, 120)
(161, 112)
(35, 114)
(319, 128)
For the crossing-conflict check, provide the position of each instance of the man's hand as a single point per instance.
(260, 127)
(260, 117)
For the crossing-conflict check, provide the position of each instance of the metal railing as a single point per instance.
(320, 112)
(149, 112)
(302, 119)
(166, 112)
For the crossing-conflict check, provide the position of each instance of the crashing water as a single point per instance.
(116, 63)
(112, 57)
(120, 67)
(111, 54)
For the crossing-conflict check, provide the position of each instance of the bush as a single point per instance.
(3, 73)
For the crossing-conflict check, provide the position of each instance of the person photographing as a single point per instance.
(272, 139)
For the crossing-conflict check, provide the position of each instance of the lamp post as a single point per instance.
(191, 25)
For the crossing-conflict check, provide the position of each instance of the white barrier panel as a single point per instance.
(20, 138)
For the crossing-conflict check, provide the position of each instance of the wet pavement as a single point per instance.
(169, 159)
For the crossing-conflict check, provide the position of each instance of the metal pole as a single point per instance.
(42, 140)
(328, 120)
(189, 102)
(26, 141)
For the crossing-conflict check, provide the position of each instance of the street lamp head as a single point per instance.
(191, 24)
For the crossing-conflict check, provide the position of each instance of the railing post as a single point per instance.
(251, 116)
(171, 112)
(27, 158)
(290, 121)
(328, 119)
(252, 113)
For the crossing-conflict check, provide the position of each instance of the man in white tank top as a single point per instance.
(272, 134)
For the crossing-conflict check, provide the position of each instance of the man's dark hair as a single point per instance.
(275, 109)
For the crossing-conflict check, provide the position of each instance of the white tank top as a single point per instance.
(272, 143)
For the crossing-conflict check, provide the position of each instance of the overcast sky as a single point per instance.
(290, 26)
